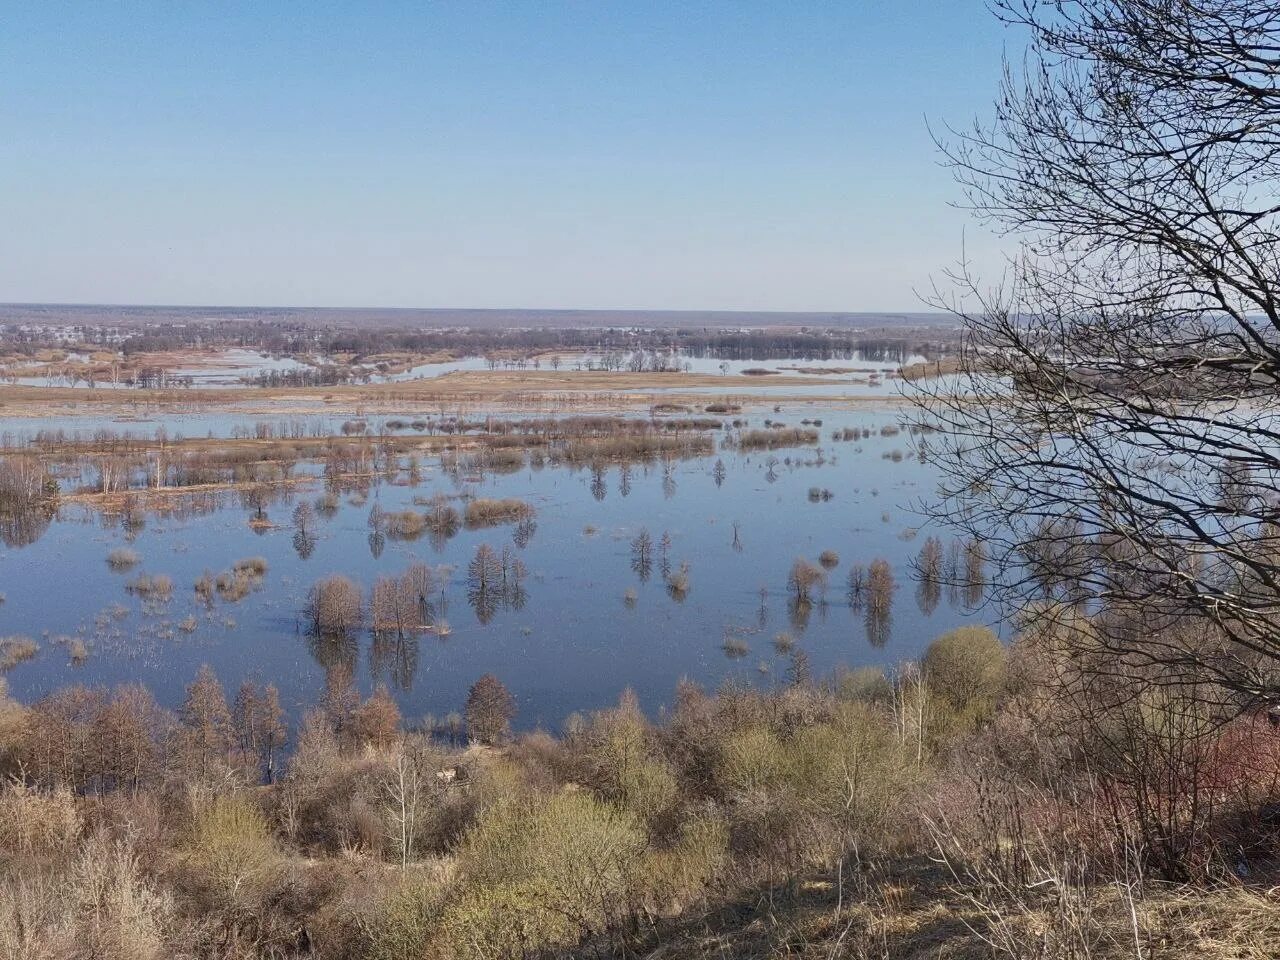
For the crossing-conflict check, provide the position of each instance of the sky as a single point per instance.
(683, 155)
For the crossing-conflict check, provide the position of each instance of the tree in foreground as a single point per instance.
(490, 710)
(1116, 445)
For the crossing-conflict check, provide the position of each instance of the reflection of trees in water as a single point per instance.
(624, 480)
(799, 610)
(524, 532)
(879, 602)
(598, 486)
(642, 555)
(668, 479)
(28, 497)
(975, 572)
(304, 544)
(394, 656)
(879, 623)
(333, 650)
(929, 572)
(24, 528)
(928, 594)
(377, 543)
(495, 580)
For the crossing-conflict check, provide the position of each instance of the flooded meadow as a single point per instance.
(749, 547)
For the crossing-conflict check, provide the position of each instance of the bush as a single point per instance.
(16, 650)
(804, 799)
(966, 668)
(489, 513)
(541, 873)
(401, 924)
(804, 580)
(255, 566)
(231, 850)
(123, 558)
(151, 586)
(36, 825)
(490, 709)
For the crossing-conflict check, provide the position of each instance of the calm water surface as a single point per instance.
(574, 644)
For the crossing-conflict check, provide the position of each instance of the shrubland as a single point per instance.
(985, 800)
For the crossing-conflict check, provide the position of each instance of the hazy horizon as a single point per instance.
(106, 313)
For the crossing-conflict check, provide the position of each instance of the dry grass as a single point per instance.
(16, 650)
(123, 558)
(775, 439)
(489, 513)
(151, 586)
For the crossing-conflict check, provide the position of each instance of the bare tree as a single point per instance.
(489, 711)
(1128, 360)
(334, 606)
(207, 727)
(804, 580)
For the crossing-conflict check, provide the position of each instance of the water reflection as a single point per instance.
(670, 546)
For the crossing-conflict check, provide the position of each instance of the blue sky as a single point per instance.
(600, 155)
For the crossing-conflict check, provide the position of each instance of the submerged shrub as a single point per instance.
(123, 558)
(488, 513)
(151, 586)
(16, 650)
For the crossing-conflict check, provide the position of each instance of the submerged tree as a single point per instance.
(334, 606)
(1130, 358)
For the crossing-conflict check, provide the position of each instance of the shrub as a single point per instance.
(255, 566)
(401, 924)
(123, 558)
(231, 850)
(678, 582)
(489, 513)
(773, 439)
(16, 650)
(808, 797)
(151, 586)
(829, 559)
(541, 873)
(38, 825)
(403, 524)
(966, 668)
(117, 911)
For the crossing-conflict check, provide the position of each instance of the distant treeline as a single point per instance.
(291, 338)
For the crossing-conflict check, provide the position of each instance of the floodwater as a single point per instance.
(577, 639)
(235, 367)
